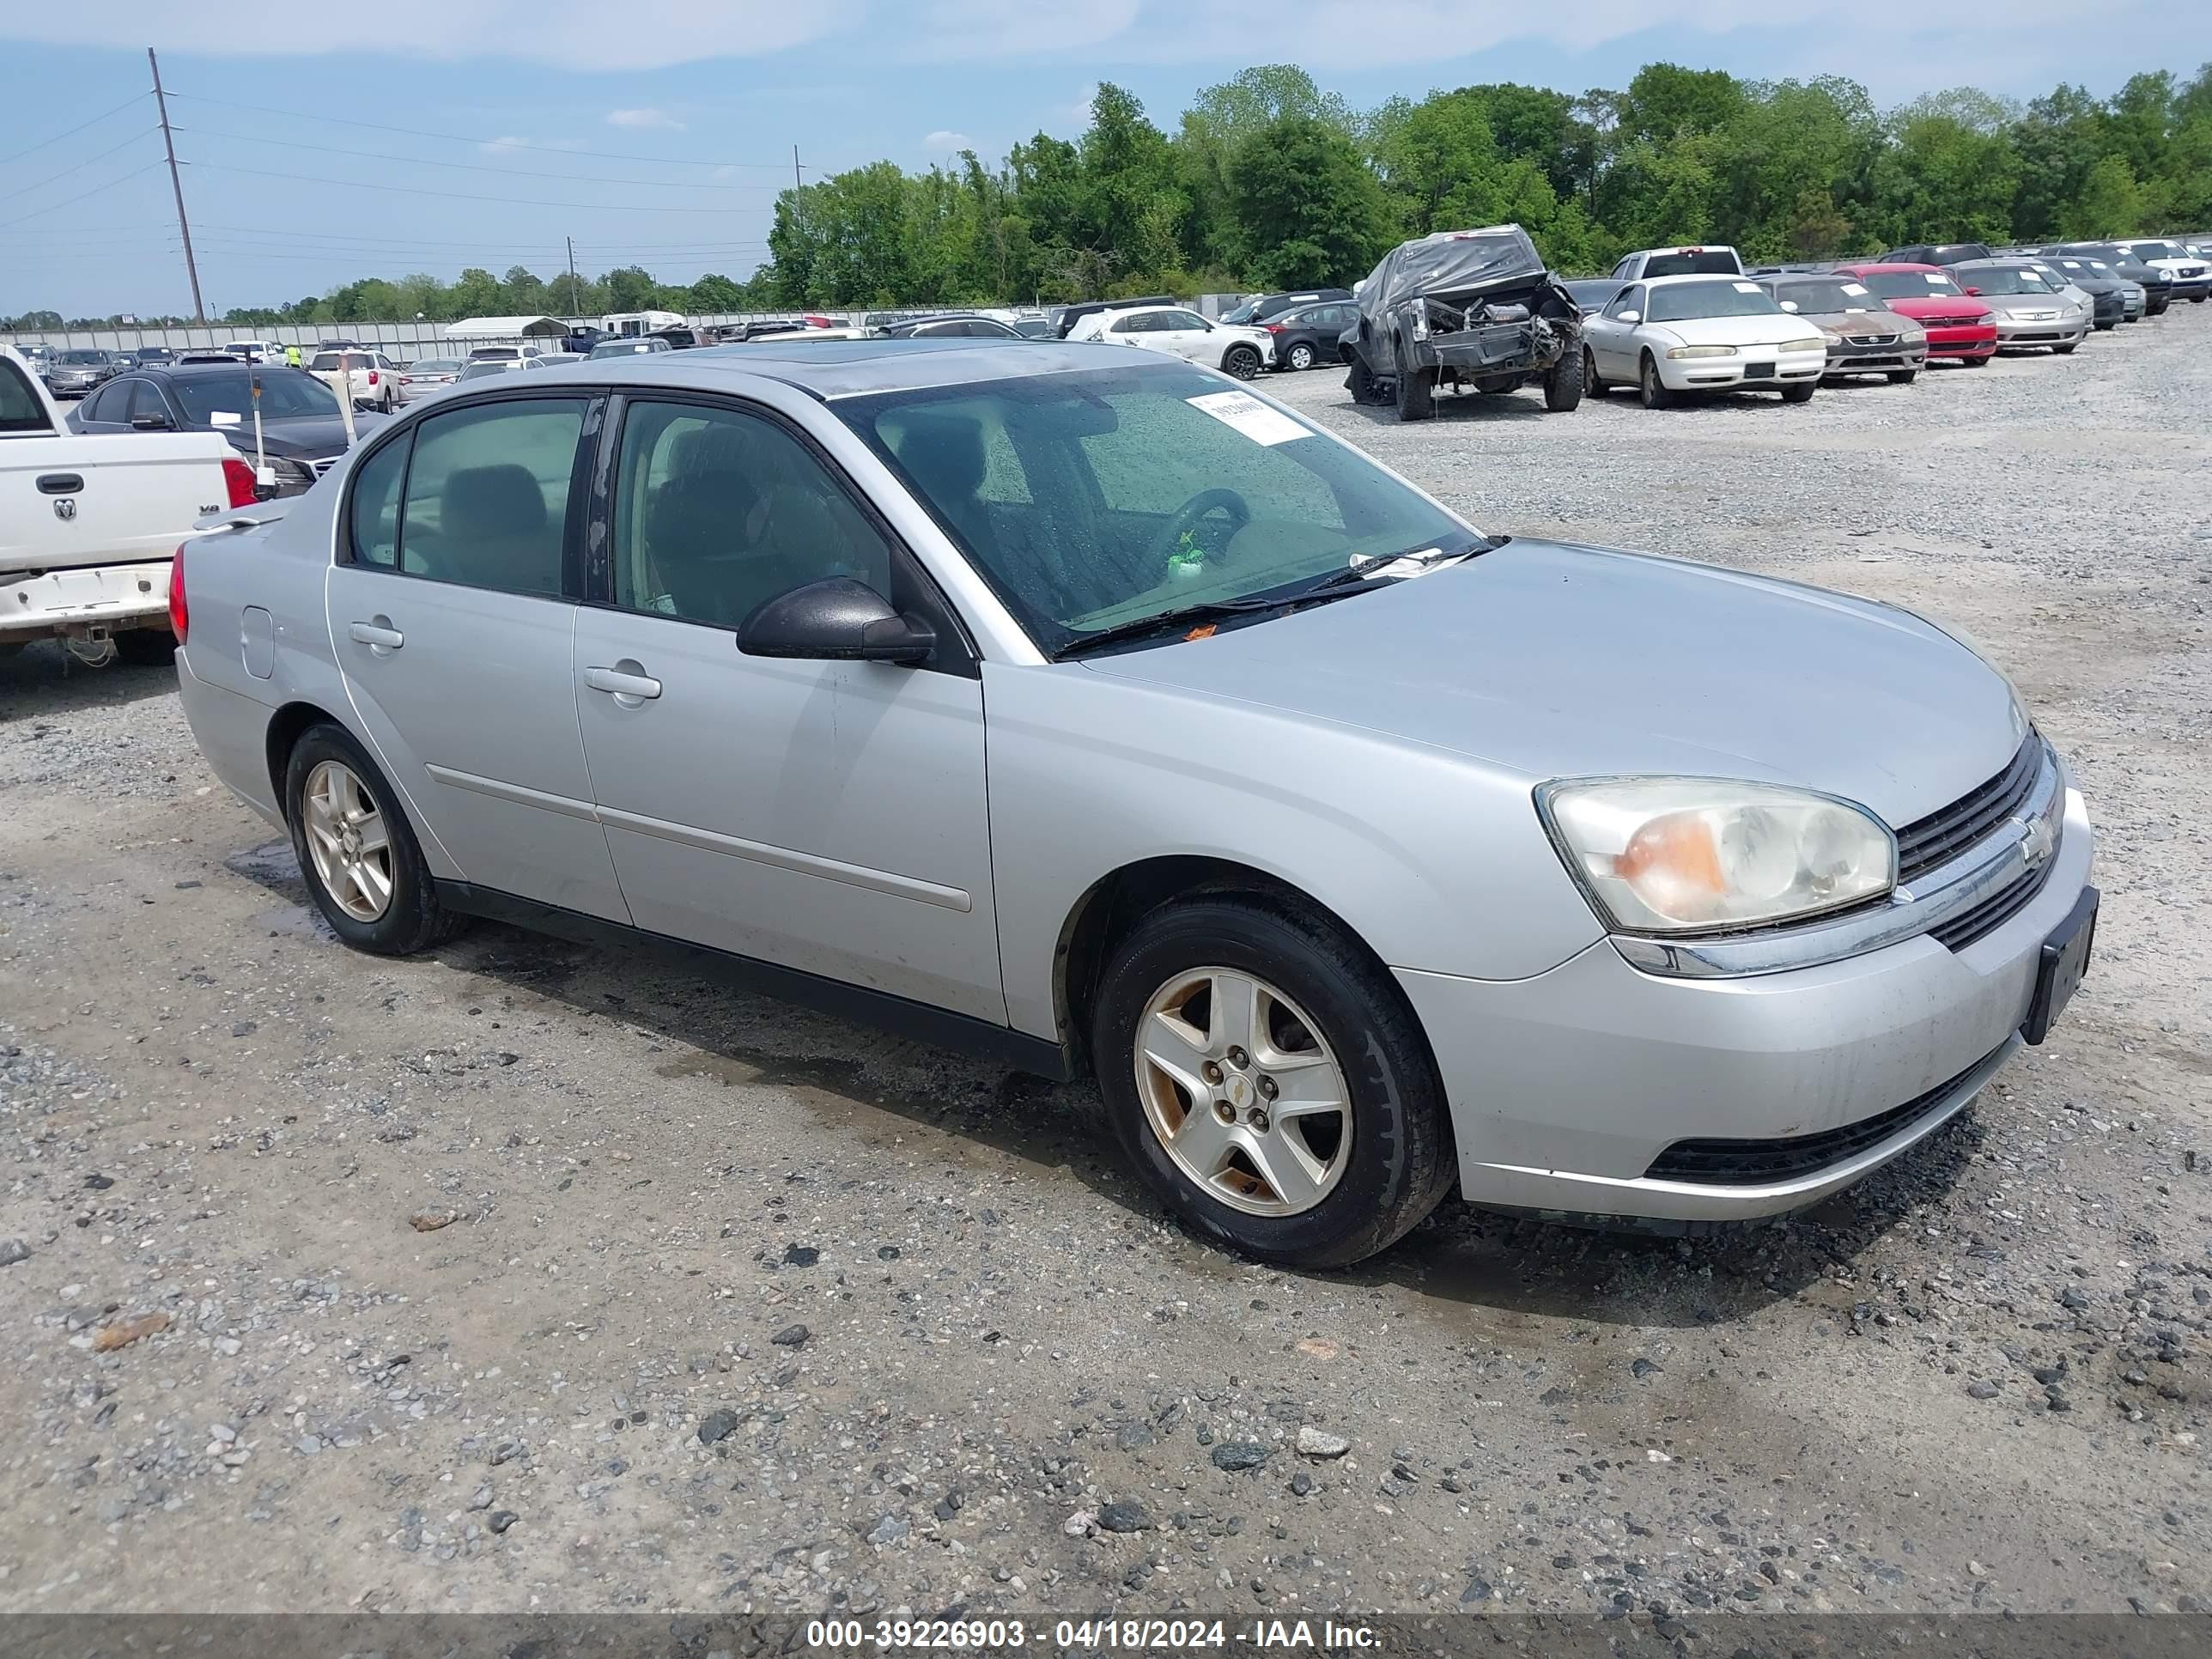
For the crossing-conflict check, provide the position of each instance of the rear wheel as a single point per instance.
(1300, 356)
(1651, 391)
(1240, 360)
(1800, 394)
(1417, 394)
(1564, 385)
(363, 865)
(1269, 1082)
(1902, 376)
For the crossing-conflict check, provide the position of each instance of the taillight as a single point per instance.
(1273, 328)
(179, 614)
(372, 377)
(238, 478)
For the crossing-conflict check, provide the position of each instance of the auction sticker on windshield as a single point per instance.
(1241, 409)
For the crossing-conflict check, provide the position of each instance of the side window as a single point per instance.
(146, 399)
(1621, 269)
(19, 408)
(1141, 322)
(716, 511)
(105, 404)
(1181, 322)
(487, 494)
(373, 518)
(1629, 299)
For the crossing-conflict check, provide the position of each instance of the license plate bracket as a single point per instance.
(1758, 371)
(2063, 960)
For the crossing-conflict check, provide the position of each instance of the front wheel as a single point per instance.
(1268, 1080)
(1801, 393)
(1651, 391)
(1902, 376)
(1301, 356)
(1241, 362)
(363, 867)
(1564, 386)
(1982, 362)
(2066, 350)
(1360, 382)
(1593, 386)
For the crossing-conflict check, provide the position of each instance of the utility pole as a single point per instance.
(575, 304)
(797, 183)
(184, 227)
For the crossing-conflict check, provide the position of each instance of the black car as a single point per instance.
(302, 431)
(1306, 336)
(1256, 312)
(1594, 292)
(2157, 285)
(146, 356)
(958, 325)
(1936, 253)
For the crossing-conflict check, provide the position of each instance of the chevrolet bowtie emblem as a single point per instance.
(2037, 846)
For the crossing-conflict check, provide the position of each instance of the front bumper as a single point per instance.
(1970, 340)
(2017, 335)
(114, 597)
(1753, 368)
(1566, 1088)
(1883, 358)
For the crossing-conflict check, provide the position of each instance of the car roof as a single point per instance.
(1895, 264)
(1682, 278)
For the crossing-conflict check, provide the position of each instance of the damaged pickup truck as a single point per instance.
(1466, 309)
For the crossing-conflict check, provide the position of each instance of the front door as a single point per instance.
(454, 618)
(823, 815)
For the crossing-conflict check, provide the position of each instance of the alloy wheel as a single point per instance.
(1243, 1093)
(348, 841)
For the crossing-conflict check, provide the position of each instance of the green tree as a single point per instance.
(2111, 202)
(1309, 210)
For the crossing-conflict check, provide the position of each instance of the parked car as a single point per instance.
(580, 341)
(79, 369)
(1671, 892)
(39, 359)
(1474, 310)
(88, 524)
(1957, 325)
(426, 374)
(1593, 293)
(1065, 317)
(1264, 308)
(950, 325)
(2029, 310)
(302, 430)
(1668, 336)
(153, 354)
(207, 355)
(374, 378)
(2156, 282)
(1309, 335)
(629, 345)
(2113, 300)
(1034, 328)
(1863, 336)
(254, 351)
(1935, 253)
(493, 368)
(2192, 276)
(1180, 332)
(1714, 260)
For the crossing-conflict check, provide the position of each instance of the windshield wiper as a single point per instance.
(1336, 585)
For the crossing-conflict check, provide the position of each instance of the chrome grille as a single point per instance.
(1925, 843)
(1871, 339)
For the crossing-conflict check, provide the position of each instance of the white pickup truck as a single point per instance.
(87, 523)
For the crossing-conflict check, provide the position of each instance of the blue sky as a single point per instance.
(657, 131)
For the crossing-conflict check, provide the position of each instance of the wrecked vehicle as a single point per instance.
(1469, 309)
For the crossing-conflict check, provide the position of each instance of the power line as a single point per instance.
(80, 127)
(456, 196)
(94, 191)
(25, 189)
(471, 166)
(498, 143)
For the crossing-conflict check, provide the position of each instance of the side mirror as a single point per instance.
(1974, 291)
(150, 423)
(835, 620)
(1628, 317)
(1789, 305)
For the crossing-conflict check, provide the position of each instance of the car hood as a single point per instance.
(1553, 660)
(1939, 305)
(1861, 322)
(300, 435)
(2011, 304)
(1735, 330)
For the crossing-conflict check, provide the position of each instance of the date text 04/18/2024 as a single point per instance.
(1164, 1634)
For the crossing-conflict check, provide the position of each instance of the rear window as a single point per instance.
(19, 408)
(1695, 262)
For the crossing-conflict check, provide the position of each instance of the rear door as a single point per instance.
(452, 616)
(827, 817)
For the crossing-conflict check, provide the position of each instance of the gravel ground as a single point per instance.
(529, 1277)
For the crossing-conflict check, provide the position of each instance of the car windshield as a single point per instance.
(82, 357)
(2007, 279)
(1694, 262)
(435, 366)
(286, 393)
(2155, 250)
(1678, 302)
(1912, 284)
(1097, 499)
(1243, 314)
(1821, 295)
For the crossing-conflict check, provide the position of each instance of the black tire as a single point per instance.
(1982, 362)
(2197, 299)
(2066, 350)
(1562, 386)
(1360, 382)
(2108, 324)
(1300, 356)
(1402, 1161)
(1902, 376)
(1241, 362)
(414, 919)
(1800, 394)
(1593, 385)
(2158, 310)
(1416, 394)
(1651, 390)
(146, 648)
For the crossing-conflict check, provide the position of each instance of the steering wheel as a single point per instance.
(1192, 512)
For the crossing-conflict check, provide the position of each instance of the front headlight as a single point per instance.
(1701, 352)
(1675, 855)
(1802, 345)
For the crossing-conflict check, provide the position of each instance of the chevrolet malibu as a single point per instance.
(1667, 336)
(1084, 708)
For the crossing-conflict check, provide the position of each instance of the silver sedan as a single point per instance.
(1092, 710)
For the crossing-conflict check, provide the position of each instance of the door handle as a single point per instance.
(61, 483)
(380, 636)
(622, 685)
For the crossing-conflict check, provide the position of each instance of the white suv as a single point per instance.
(372, 377)
(1229, 347)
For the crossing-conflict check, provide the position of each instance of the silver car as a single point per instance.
(1087, 708)
(2029, 310)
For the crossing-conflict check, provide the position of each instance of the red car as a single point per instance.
(1958, 326)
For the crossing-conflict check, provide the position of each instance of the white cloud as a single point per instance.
(944, 143)
(659, 120)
